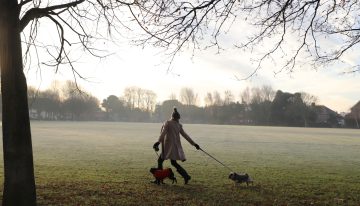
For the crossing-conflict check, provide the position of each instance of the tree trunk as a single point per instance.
(19, 183)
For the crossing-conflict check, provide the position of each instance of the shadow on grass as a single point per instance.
(198, 193)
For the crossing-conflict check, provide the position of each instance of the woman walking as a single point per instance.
(171, 144)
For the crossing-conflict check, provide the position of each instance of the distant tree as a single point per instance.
(136, 97)
(73, 107)
(46, 104)
(139, 97)
(91, 105)
(81, 107)
(188, 96)
(228, 97)
(70, 89)
(259, 112)
(307, 111)
(149, 100)
(111, 103)
(232, 113)
(192, 114)
(333, 120)
(245, 96)
(55, 87)
(130, 96)
(209, 101)
(296, 111)
(114, 107)
(289, 110)
(50, 100)
(209, 108)
(32, 93)
(172, 96)
(308, 99)
(217, 98)
(257, 102)
(256, 95)
(78, 102)
(164, 111)
(268, 93)
(260, 103)
(279, 108)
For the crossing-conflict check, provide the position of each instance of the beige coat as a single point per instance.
(170, 140)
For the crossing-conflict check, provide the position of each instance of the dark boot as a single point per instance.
(181, 171)
(185, 175)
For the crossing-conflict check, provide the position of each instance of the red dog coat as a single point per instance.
(162, 174)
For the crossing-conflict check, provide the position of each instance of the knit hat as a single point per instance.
(175, 114)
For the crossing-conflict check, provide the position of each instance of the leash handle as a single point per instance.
(217, 160)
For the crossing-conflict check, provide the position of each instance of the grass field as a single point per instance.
(97, 163)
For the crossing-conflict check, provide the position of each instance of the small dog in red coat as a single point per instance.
(161, 174)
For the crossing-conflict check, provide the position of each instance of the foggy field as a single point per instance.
(99, 163)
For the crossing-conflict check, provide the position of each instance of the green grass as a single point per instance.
(91, 163)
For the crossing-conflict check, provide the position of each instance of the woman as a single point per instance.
(171, 144)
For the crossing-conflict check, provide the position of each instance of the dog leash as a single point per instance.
(156, 153)
(217, 160)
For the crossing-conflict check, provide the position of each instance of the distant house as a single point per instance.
(33, 113)
(327, 117)
(355, 109)
(353, 118)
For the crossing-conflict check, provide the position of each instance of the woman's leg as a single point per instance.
(181, 171)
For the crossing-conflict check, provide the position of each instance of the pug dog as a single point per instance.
(240, 178)
(161, 174)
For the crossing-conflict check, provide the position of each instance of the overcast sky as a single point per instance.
(207, 71)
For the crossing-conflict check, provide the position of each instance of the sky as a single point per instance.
(204, 71)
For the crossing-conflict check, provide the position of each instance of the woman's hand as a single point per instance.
(156, 146)
(197, 146)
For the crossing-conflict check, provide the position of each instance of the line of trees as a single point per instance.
(65, 102)
(68, 101)
(257, 106)
(254, 106)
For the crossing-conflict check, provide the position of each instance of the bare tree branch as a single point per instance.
(314, 24)
(36, 13)
(23, 2)
(175, 25)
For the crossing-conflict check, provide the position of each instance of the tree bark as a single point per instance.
(19, 183)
